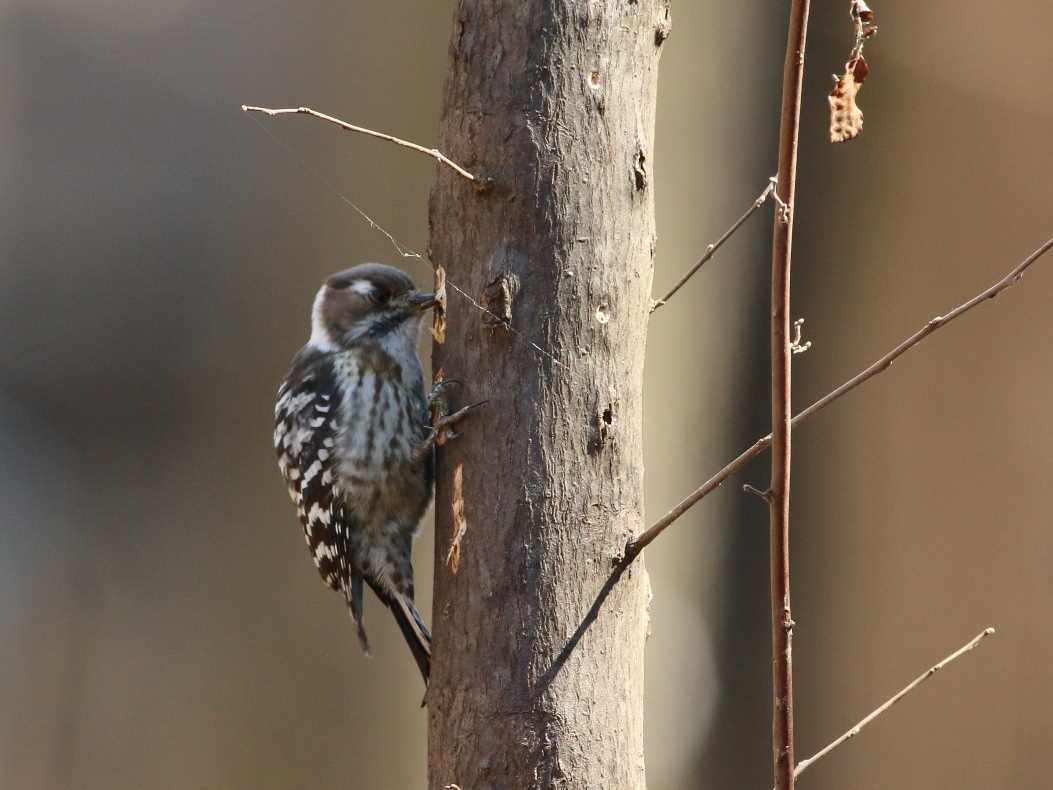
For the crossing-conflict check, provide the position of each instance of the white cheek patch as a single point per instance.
(320, 337)
(362, 287)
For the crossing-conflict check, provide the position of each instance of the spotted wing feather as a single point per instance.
(306, 427)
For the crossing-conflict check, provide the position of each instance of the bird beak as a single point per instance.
(422, 301)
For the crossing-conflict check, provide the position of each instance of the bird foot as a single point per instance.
(438, 406)
(442, 421)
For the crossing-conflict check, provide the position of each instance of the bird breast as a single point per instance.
(383, 412)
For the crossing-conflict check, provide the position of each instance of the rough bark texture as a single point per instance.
(534, 686)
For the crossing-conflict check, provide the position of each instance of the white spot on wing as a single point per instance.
(312, 470)
(318, 515)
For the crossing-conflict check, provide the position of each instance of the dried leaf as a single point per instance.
(460, 524)
(862, 12)
(438, 317)
(846, 119)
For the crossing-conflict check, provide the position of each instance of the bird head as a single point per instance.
(367, 302)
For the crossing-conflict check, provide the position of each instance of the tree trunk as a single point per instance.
(533, 685)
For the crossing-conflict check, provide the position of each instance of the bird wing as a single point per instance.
(306, 425)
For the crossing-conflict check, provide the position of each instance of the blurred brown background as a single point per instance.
(161, 625)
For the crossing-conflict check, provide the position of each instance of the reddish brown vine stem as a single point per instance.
(781, 355)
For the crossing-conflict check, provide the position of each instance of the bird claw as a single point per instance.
(439, 408)
(447, 420)
(440, 430)
(437, 404)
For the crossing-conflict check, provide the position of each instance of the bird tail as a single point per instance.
(415, 632)
(410, 623)
(354, 602)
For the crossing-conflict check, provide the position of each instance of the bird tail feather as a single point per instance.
(354, 601)
(415, 632)
(409, 620)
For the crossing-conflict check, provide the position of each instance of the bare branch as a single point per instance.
(350, 127)
(712, 248)
(751, 489)
(782, 351)
(804, 765)
(879, 366)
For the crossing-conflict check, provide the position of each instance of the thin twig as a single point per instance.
(712, 248)
(403, 250)
(750, 489)
(804, 765)
(879, 366)
(781, 412)
(350, 127)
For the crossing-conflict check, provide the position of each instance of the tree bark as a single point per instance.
(537, 677)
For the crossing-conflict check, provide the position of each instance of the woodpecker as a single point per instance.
(353, 437)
